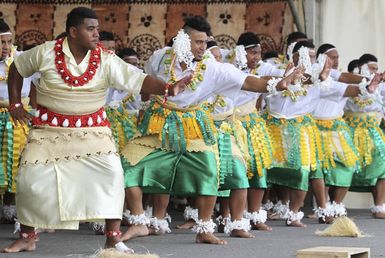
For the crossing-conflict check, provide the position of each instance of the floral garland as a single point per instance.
(8, 61)
(362, 103)
(219, 101)
(61, 67)
(295, 91)
(170, 70)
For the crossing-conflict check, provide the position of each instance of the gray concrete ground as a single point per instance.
(282, 242)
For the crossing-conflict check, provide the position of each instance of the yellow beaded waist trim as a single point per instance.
(296, 141)
(176, 126)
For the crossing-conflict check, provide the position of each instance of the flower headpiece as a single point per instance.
(182, 48)
(304, 59)
(240, 57)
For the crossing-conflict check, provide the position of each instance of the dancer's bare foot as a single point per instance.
(209, 238)
(326, 220)
(135, 231)
(241, 234)
(261, 226)
(379, 215)
(274, 216)
(187, 225)
(152, 231)
(115, 242)
(296, 223)
(20, 245)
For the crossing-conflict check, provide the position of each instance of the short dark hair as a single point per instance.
(248, 39)
(4, 26)
(366, 58)
(300, 44)
(352, 65)
(106, 36)
(198, 23)
(270, 54)
(211, 43)
(294, 36)
(127, 52)
(77, 15)
(323, 48)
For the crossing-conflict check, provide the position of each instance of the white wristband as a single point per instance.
(272, 85)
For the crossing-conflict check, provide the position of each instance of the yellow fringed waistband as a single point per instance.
(172, 106)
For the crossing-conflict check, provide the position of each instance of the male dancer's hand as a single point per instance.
(20, 115)
(326, 69)
(294, 76)
(180, 85)
(374, 82)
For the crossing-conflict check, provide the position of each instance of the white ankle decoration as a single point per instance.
(281, 209)
(294, 216)
(243, 224)
(140, 219)
(223, 220)
(148, 211)
(126, 214)
(257, 217)
(98, 226)
(324, 212)
(339, 209)
(204, 227)
(268, 205)
(17, 228)
(378, 208)
(9, 212)
(190, 213)
(160, 225)
(121, 247)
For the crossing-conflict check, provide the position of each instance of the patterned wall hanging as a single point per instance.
(114, 18)
(227, 22)
(147, 25)
(176, 14)
(267, 21)
(34, 23)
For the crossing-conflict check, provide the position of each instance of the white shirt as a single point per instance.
(330, 107)
(283, 107)
(218, 79)
(4, 85)
(375, 107)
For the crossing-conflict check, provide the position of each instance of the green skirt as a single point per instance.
(123, 125)
(167, 172)
(238, 179)
(232, 168)
(316, 174)
(292, 178)
(12, 142)
(340, 175)
(365, 179)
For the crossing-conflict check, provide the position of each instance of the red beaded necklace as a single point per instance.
(61, 67)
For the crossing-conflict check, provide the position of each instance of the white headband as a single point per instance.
(132, 57)
(329, 50)
(252, 45)
(212, 47)
(371, 62)
(6, 33)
